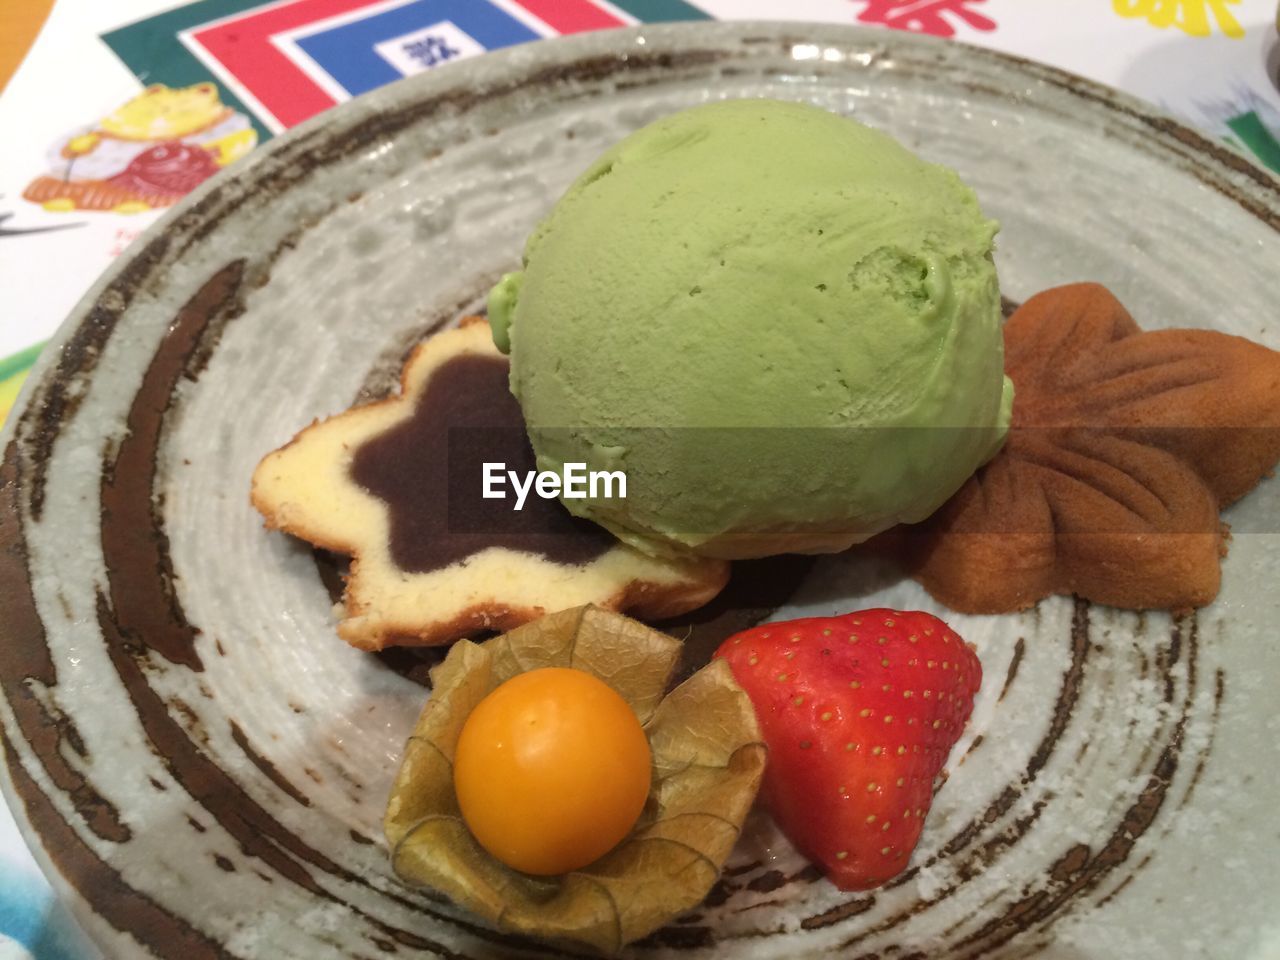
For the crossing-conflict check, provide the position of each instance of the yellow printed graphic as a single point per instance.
(161, 113)
(1195, 18)
(9, 393)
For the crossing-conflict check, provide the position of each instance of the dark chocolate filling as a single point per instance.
(429, 471)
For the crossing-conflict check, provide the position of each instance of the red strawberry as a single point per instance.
(859, 713)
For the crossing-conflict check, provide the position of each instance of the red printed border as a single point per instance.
(242, 48)
(241, 51)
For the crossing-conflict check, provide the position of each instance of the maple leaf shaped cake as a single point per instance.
(1123, 448)
(397, 484)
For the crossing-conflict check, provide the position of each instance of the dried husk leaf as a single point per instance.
(708, 760)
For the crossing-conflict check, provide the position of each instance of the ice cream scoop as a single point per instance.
(782, 325)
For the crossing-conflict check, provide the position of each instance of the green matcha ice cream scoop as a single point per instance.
(780, 324)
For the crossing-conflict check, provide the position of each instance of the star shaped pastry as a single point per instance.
(1123, 448)
(398, 485)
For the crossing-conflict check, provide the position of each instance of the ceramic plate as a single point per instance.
(202, 764)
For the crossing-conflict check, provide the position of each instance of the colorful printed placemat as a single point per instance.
(123, 108)
(164, 97)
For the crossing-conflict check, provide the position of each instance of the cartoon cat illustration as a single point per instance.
(147, 153)
(162, 113)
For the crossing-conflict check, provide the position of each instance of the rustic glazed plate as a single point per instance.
(202, 764)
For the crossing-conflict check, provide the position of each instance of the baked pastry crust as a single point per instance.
(306, 488)
(1123, 448)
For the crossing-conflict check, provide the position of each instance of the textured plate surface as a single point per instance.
(203, 764)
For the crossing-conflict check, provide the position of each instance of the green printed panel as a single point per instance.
(13, 371)
(659, 11)
(1255, 136)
